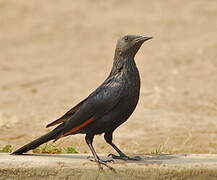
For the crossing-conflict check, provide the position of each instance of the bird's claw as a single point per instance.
(101, 162)
(124, 157)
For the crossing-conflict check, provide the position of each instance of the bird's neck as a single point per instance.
(121, 62)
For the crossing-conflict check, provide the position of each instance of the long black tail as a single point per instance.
(37, 142)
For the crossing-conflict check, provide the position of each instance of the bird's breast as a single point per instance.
(131, 89)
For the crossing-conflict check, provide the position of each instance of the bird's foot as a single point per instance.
(124, 157)
(101, 162)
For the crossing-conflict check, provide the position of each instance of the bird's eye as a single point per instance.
(125, 38)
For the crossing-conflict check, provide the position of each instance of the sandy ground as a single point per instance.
(54, 53)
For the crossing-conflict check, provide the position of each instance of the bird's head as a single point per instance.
(129, 45)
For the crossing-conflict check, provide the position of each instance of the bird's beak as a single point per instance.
(142, 39)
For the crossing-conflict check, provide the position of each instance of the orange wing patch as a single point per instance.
(73, 130)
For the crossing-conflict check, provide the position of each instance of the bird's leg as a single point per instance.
(108, 138)
(89, 141)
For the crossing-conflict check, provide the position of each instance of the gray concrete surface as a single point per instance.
(61, 166)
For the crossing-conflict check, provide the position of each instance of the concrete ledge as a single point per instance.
(35, 166)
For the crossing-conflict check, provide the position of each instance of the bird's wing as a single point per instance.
(100, 102)
(67, 115)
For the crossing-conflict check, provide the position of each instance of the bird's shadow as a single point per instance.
(148, 159)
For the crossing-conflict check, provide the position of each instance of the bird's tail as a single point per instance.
(37, 142)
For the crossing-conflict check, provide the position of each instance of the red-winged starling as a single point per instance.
(110, 105)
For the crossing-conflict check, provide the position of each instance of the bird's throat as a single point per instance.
(123, 64)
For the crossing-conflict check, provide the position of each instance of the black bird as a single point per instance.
(110, 105)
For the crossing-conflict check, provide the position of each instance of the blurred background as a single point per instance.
(54, 53)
